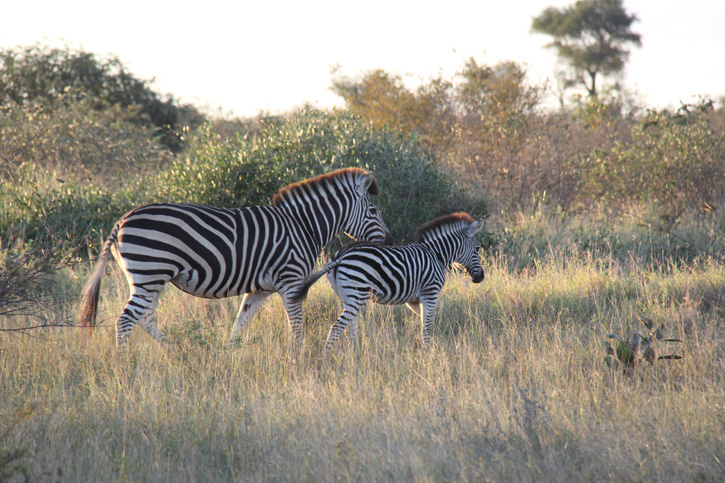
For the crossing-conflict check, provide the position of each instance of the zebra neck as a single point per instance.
(320, 227)
(443, 250)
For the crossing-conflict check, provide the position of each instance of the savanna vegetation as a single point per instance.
(600, 214)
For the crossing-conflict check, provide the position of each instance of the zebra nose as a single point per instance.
(388, 239)
(478, 277)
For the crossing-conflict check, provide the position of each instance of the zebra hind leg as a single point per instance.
(348, 317)
(136, 311)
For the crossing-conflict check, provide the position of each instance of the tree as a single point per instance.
(499, 93)
(440, 110)
(384, 100)
(591, 36)
(46, 75)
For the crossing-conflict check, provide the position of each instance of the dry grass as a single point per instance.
(512, 389)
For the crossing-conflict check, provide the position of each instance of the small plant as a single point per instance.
(629, 354)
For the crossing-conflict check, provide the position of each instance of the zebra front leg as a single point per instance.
(426, 318)
(294, 315)
(251, 302)
(148, 322)
(414, 307)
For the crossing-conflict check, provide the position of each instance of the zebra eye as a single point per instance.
(373, 210)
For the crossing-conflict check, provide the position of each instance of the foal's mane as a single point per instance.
(455, 220)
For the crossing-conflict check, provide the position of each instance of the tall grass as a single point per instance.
(513, 387)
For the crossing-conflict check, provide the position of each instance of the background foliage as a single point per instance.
(592, 37)
(49, 76)
(78, 148)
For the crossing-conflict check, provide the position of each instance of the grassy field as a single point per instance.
(514, 387)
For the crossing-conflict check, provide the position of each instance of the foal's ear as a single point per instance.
(475, 227)
(366, 184)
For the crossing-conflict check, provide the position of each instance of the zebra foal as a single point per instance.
(412, 273)
(217, 252)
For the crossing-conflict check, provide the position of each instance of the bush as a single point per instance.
(73, 140)
(674, 163)
(45, 207)
(24, 276)
(248, 171)
(69, 171)
(486, 125)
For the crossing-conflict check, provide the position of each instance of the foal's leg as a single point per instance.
(349, 316)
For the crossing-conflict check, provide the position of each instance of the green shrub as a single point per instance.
(547, 234)
(69, 171)
(247, 171)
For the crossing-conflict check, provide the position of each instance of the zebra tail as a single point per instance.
(91, 290)
(301, 293)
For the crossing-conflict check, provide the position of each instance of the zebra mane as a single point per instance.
(445, 223)
(302, 188)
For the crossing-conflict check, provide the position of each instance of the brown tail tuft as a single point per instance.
(92, 289)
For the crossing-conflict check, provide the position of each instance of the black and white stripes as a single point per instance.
(215, 252)
(413, 274)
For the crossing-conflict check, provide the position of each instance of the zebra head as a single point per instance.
(364, 221)
(468, 256)
(453, 239)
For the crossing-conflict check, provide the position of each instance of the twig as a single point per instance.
(42, 326)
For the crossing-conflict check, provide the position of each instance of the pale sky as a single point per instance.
(244, 57)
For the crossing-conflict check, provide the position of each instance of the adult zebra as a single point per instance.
(215, 252)
(413, 273)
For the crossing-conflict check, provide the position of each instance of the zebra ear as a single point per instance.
(475, 227)
(363, 184)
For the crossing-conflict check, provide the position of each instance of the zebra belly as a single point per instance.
(388, 288)
(210, 253)
(378, 291)
(398, 299)
(188, 281)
